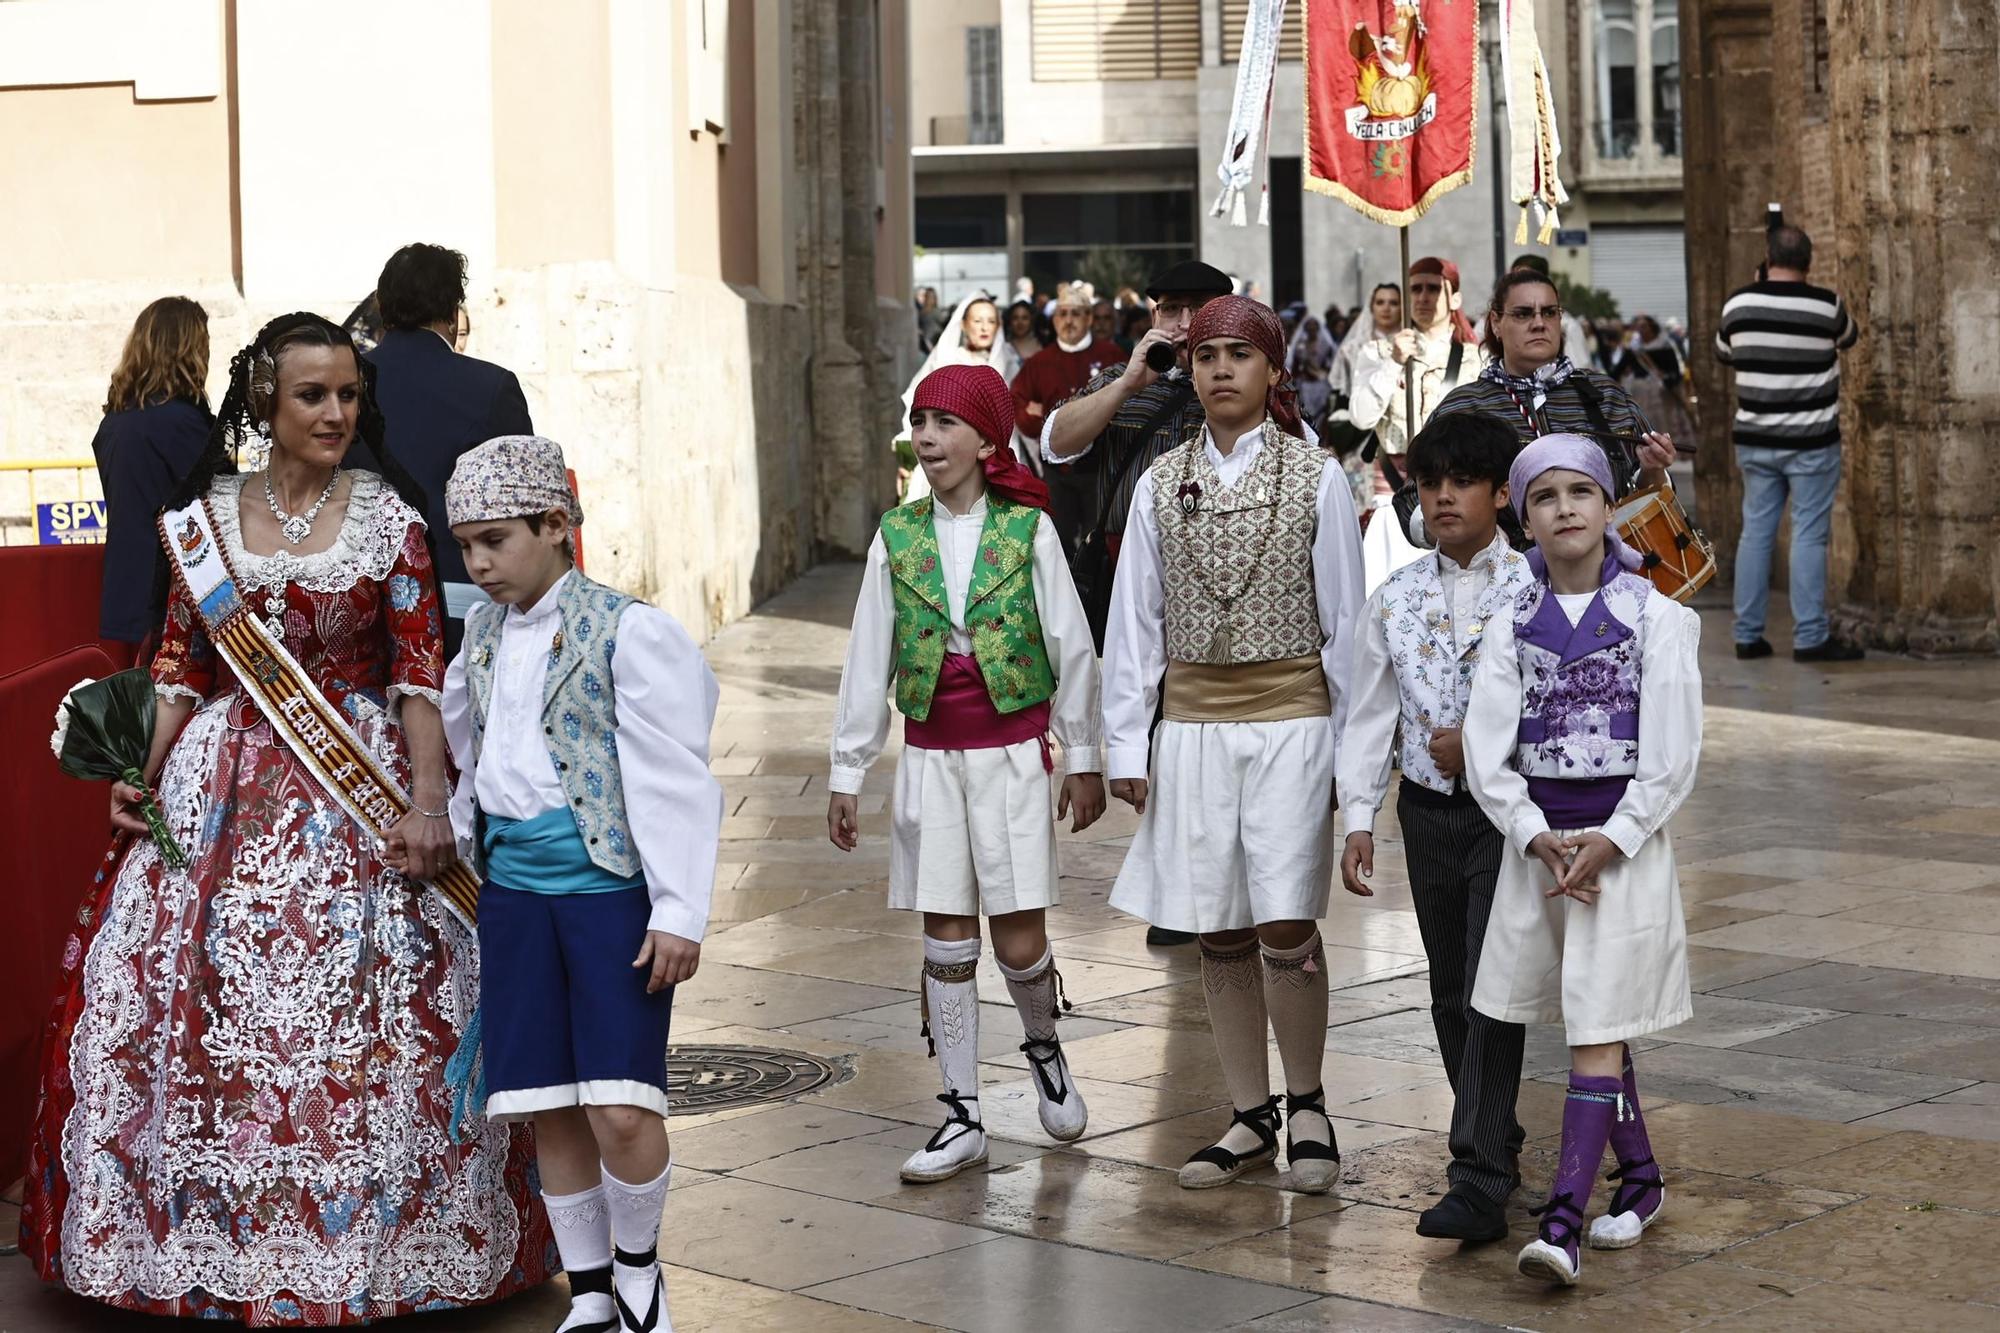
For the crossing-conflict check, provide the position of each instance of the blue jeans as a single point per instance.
(1809, 477)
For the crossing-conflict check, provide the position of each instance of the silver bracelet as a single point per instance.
(430, 814)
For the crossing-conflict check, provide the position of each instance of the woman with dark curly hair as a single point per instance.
(248, 1105)
(156, 424)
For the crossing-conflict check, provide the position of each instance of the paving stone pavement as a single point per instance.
(1829, 1120)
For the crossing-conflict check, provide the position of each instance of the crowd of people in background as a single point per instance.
(1347, 368)
(1645, 354)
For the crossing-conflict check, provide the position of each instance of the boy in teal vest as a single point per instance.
(569, 705)
(967, 613)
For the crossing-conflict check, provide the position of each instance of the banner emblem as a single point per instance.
(1392, 102)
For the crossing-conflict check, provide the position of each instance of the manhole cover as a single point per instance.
(701, 1079)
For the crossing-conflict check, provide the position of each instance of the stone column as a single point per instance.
(1916, 131)
(834, 91)
(1727, 114)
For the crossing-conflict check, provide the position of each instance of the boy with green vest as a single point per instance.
(569, 708)
(967, 613)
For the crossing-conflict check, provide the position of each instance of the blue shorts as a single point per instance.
(567, 1020)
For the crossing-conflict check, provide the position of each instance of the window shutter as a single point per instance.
(1291, 38)
(1087, 41)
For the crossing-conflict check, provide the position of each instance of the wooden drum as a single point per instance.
(1678, 559)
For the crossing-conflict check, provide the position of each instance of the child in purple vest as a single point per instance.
(1581, 741)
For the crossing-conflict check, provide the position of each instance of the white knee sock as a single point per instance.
(1034, 991)
(951, 1011)
(582, 1226)
(635, 1227)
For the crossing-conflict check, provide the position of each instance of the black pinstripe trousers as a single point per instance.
(1453, 855)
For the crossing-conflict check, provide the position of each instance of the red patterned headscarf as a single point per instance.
(1454, 294)
(978, 396)
(1257, 324)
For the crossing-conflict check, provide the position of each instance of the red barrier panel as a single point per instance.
(49, 597)
(53, 832)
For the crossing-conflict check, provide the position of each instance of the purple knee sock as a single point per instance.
(1640, 1186)
(1587, 1119)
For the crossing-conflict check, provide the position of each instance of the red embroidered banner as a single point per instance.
(1392, 102)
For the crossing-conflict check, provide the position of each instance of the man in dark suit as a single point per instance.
(436, 403)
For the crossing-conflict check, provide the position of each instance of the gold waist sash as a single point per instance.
(1291, 687)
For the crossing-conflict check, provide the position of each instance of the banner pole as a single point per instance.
(1409, 366)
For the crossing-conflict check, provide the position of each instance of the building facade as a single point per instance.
(1105, 136)
(1046, 127)
(686, 225)
(1616, 67)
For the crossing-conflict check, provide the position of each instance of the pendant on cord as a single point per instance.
(1189, 495)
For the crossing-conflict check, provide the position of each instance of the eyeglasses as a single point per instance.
(1524, 313)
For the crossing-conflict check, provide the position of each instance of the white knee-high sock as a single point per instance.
(635, 1228)
(582, 1226)
(951, 1011)
(1033, 989)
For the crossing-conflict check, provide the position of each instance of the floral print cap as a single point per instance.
(510, 476)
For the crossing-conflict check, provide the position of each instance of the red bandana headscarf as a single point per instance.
(1257, 324)
(978, 396)
(1461, 327)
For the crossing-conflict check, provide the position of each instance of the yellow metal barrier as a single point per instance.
(28, 527)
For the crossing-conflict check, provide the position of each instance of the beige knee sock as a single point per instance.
(1233, 979)
(1295, 993)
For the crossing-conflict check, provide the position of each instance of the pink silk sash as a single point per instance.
(963, 717)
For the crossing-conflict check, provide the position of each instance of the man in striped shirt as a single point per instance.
(1783, 337)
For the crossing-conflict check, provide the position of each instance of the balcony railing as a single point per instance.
(1618, 140)
(1620, 158)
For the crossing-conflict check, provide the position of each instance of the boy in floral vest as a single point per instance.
(967, 613)
(570, 708)
(1415, 648)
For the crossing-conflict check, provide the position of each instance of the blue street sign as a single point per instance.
(70, 523)
(1573, 236)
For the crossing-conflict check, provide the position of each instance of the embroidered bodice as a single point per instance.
(361, 617)
(1580, 683)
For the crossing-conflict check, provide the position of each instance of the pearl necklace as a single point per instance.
(297, 527)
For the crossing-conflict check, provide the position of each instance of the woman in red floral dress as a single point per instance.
(244, 1109)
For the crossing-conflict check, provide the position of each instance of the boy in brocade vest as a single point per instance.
(1416, 648)
(1238, 584)
(571, 708)
(968, 614)
(1581, 741)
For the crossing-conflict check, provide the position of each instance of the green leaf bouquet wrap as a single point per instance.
(104, 732)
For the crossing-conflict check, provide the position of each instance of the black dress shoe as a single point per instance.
(1463, 1214)
(1754, 648)
(1833, 650)
(1160, 936)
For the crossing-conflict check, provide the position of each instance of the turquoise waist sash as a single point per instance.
(546, 854)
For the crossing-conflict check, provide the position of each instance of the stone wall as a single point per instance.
(1888, 163)
(725, 437)
(685, 413)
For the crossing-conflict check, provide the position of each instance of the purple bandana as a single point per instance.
(1574, 453)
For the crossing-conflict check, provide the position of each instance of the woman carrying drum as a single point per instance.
(1531, 385)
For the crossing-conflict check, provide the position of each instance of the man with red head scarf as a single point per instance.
(968, 615)
(1237, 589)
(1443, 350)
